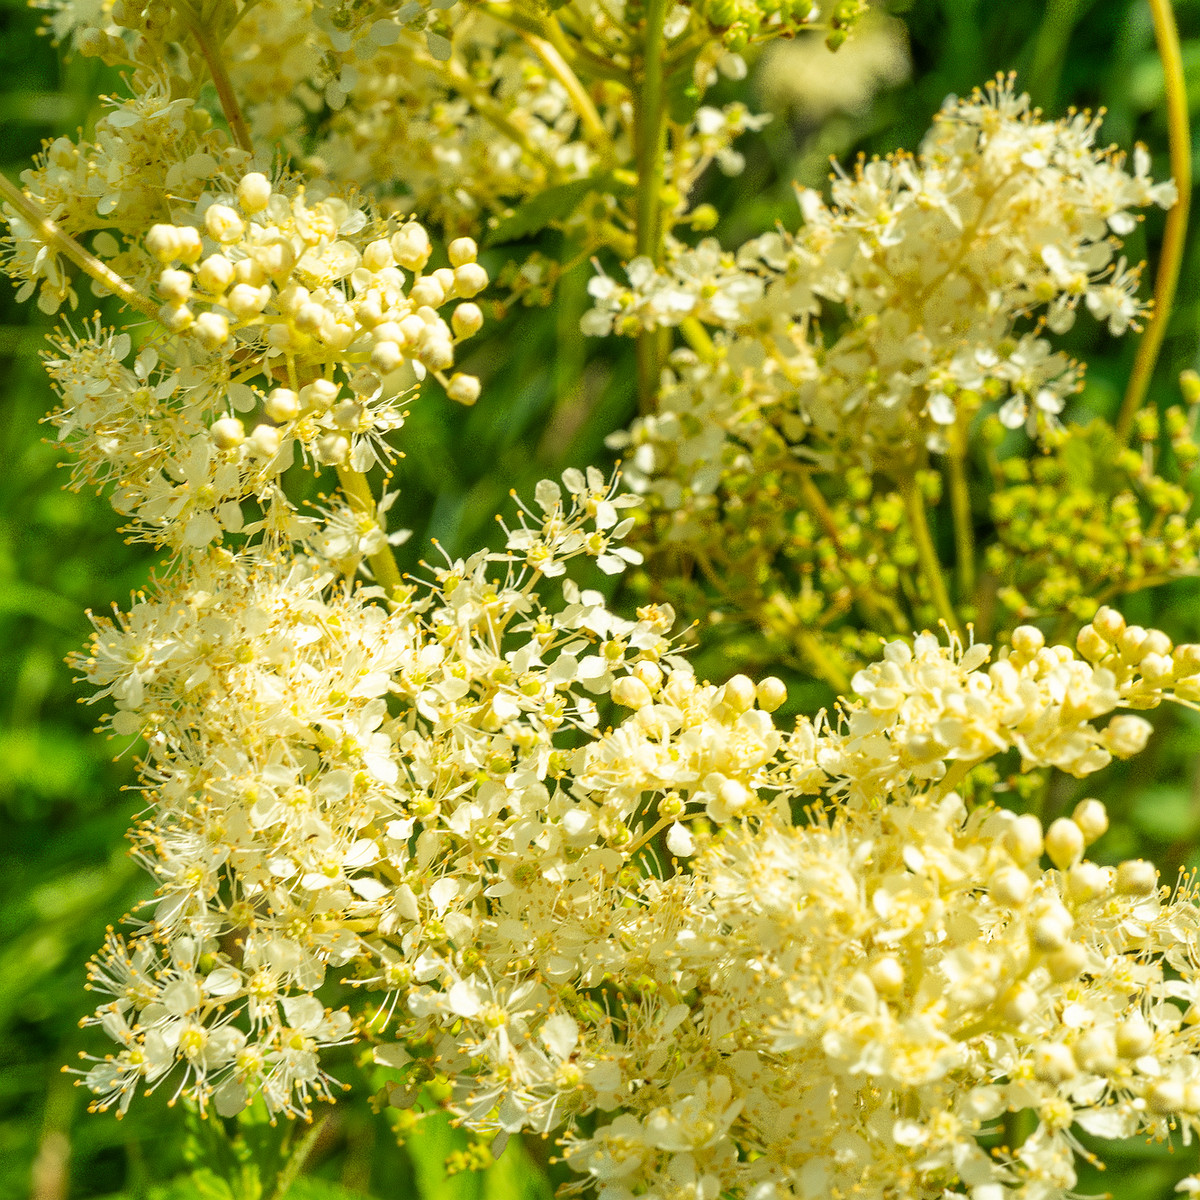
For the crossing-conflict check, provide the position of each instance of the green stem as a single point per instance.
(211, 53)
(68, 247)
(650, 128)
(583, 104)
(1171, 258)
(383, 563)
(927, 556)
(960, 509)
(297, 1159)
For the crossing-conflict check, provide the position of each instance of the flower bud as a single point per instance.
(175, 317)
(1132, 644)
(253, 192)
(1126, 735)
(1096, 1050)
(386, 357)
(1165, 1096)
(630, 692)
(470, 279)
(1027, 640)
(1018, 1003)
(427, 291)
(164, 242)
(190, 244)
(887, 975)
(1136, 877)
(463, 389)
(461, 251)
(1109, 624)
(738, 694)
(212, 329)
(410, 245)
(1023, 840)
(215, 274)
(1091, 646)
(1064, 843)
(1051, 928)
(264, 441)
(1092, 818)
(318, 395)
(1053, 1063)
(175, 286)
(467, 319)
(444, 278)
(282, 405)
(247, 301)
(1010, 886)
(223, 224)
(1086, 881)
(228, 433)
(333, 449)
(1065, 964)
(1134, 1037)
(770, 693)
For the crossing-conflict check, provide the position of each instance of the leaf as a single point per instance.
(551, 205)
(683, 96)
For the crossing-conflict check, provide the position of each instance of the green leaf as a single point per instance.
(683, 96)
(551, 205)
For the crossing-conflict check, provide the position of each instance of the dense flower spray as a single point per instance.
(490, 822)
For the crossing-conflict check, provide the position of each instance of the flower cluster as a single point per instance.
(934, 260)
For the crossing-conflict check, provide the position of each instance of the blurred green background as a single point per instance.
(549, 401)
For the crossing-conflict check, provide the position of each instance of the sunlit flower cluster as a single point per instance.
(934, 260)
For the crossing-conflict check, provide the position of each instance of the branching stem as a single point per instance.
(64, 244)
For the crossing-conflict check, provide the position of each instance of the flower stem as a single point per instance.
(583, 104)
(927, 556)
(650, 129)
(960, 508)
(1171, 258)
(220, 77)
(32, 212)
(383, 563)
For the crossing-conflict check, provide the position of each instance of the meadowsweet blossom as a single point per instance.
(937, 261)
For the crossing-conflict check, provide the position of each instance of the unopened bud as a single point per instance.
(887, 975)
(770, 693)
(228, 433)
(463, 389)
(1134, 1037)
(1024, 839)
(1136, 877)
(630, 692)
(467, 319)
(223, 223)
(461, 251)
(1064, 843)
(470, 279)
(282, 405)
(1092, 818)
(738, 694)
(253, 192)
(1109, 624)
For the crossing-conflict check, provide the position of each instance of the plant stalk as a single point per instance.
(927, 556)
(650, 128)
(67, 246)
(1171, 259)
(383, 563)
